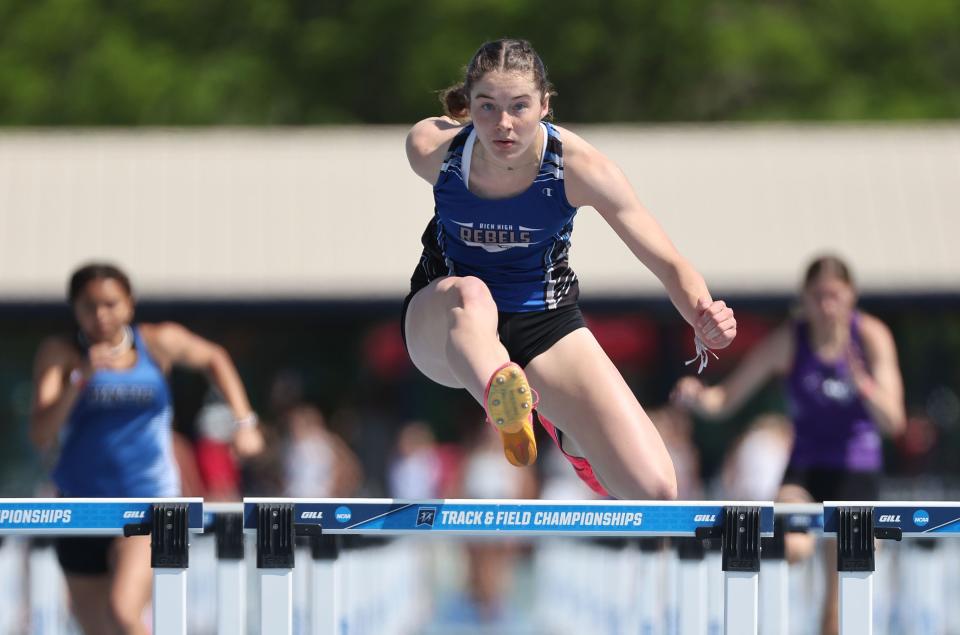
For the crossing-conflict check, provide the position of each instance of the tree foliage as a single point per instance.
(291, 62)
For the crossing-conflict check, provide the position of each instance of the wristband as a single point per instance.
(250, 421)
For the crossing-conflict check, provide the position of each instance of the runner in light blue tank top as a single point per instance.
(102, 394)
(123, 418)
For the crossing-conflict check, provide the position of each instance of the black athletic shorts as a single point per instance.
(825, 484)
(524, 335)
(85, 555)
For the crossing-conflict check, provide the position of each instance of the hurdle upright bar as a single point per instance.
(856, 524)
(774, 594)
(168, 522)
(226, 521)
(277, 521)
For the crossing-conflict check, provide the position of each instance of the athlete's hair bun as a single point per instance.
(456, 102)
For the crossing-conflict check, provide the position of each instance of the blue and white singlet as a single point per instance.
(518, 245)
(117, 441)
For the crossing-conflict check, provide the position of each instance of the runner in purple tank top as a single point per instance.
(844, 391)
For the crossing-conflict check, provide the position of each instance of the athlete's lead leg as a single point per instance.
(451, 330)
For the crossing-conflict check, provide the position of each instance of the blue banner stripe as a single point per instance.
(519, 518)
(931, 520)
(66, 516)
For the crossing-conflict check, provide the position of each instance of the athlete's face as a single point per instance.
(829, 300)
(506, 109)
(102, 309)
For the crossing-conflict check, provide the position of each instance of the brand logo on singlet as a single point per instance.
(548, 191)
(889, 518)
(921, 518)
(495, 236)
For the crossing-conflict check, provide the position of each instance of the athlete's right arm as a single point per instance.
(771, 357)
(427, 144)
(53, 394)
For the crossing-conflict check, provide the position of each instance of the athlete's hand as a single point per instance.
(687, 392)
(248, 441)
(716, 327)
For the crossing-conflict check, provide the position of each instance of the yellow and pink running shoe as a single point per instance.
(509, 402)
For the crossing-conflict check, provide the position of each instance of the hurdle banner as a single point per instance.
(87, 516)
(493, 517)
(856, 525)
(931, 519)
(277, 522)
(167, 521)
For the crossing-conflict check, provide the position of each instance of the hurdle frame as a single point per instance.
(857, 524)
(277, 521)
(168, 522)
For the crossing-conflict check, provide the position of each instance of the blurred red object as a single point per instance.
(218, 469)
(627, 339)
(383, 351)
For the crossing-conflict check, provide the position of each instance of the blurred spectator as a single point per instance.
(490, 564)
(416, 468)
(316, 462)
(753, 468)
(917, 447)
(215, 458)
(485, 475)
(191, 484)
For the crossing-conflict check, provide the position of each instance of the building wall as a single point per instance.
(336, 212)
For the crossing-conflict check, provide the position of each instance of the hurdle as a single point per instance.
(276, 522)
(226, 522)
(856, 525)
(167, 521)
(775, 594)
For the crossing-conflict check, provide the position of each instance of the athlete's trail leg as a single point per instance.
(585, 396)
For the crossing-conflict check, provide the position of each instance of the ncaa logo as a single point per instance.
(342, 514)
(921, 518)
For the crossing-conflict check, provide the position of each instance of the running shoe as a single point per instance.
(580, 465)
(509, 402)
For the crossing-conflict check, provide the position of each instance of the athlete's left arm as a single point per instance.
(175, 345)
(590, 178)
(880, 383)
